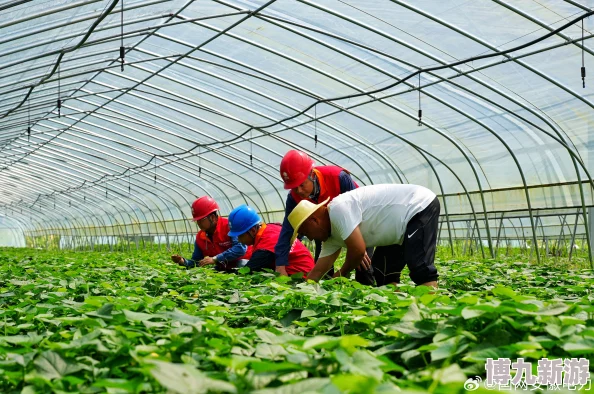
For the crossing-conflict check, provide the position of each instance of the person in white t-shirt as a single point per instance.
(401, 221)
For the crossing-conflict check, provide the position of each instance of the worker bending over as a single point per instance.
(401, 221)
(213, 245)
(248, 227)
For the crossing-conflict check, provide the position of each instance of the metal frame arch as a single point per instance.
(170, 133)
(445, 205)
(173, 62)
(476, 80)
(110, 130)
(43, 181)
(68, 176)
(418, 149)
(307, 93)
(485, 209)
(541, 24)
(100, 207)
(491, 47)
(295, 61)
(257, 45)
(449, 79)
(49, 219)
(227, 116)
(138, 130)
(103, 137)
(388, 36)
(148, 191)
(173, 163)
(346, 54)
(175, 190)
(244, 87)
(75, 158)
(17, 224)
(436, 76)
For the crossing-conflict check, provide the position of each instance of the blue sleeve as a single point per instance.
(346, 182)
(281, 250)
(234, 252)
(196, 256)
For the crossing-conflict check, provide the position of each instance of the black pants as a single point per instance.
(365, 277)
(417, 250)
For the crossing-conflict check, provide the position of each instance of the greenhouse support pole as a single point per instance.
(577, 218)
(499, 234)
(591, 234)
(558, 249)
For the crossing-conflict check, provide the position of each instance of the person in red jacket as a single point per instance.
(248, 227)
(314, 184)
(213, 245)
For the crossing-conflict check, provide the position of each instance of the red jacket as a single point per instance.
(328, 182)
(300, 259)
(220, 240)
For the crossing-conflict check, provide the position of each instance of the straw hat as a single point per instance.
(302, 211)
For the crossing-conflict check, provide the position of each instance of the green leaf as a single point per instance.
(267, 336)
(570, 320)
(469, 299)
(22, 340)
(137, 316)
(185, 379)
(560, 331)
(290, 317)
(549, 310)
(104, 312)
(377, 298)
(583, 346)
(471, 312)
(353, 341)
(449, 374)
(121, 384)
(265, 366)
(311, 385)
(50, 365)
(481, 356)
(504, 291)
(320, 341)
(308, 313)
(413, 314)
(182, 317)
(449, 348)
(352, 383)
(271, 352)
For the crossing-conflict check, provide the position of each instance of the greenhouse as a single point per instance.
(118, 116)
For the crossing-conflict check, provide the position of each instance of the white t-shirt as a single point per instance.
(381, 212)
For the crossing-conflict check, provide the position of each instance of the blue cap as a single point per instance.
(242, 219)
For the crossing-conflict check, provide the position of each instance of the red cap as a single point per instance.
(203, 207)
(295, 168)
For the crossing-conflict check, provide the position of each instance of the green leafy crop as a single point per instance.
(120, 323)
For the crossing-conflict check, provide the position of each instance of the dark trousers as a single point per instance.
(417, 250)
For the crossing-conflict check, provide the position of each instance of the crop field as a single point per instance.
(137, 323)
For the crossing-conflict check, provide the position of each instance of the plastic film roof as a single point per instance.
(213, 93)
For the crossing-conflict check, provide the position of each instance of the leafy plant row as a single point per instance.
(122, 323)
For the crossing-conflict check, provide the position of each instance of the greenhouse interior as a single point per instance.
(119, 118)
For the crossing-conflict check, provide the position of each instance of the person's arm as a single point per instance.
(355, 252)
(346, 182)
(281, 250)
(236, 250)
(261, 259)
(323, 265)
(196, 256)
